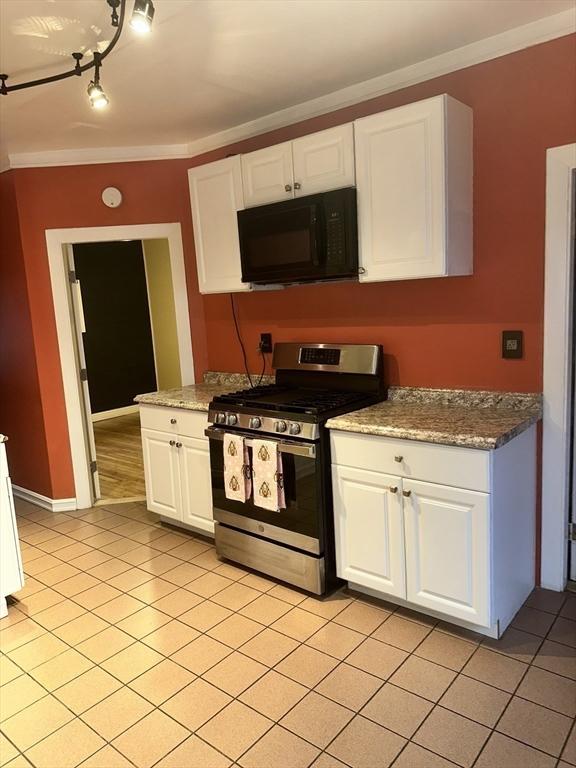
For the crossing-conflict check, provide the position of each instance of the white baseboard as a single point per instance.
(112, 414)
(54, 505)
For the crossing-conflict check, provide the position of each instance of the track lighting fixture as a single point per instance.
(141, 22)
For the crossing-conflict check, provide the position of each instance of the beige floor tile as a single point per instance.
(162, 681)
(40, 567)
(166, 542)
(478, 701)
(8, 670)
(7, 750)
(190, 549)
(132, 661)
(317, 719)
(349, 686)
(15, 616)
(414, 756)
(37, 651)
(72, 743)
(534, 725)
(327, 607)
(532, 620)
(61, 669)
(119, 608)
(519, 645)
(107, 757)
(563, 631)
(178, 602)
(452, 736)
(446, 650)
(87, 690)
(281, 749)
(234, 729)
(236, 596)
(98, 597)
(77, 584)
(495, 669)
(105, 644)
(549, 690)
(364, 744)
(398, 710)
(170, 637)
(361, 617)
(569, 753)
(201, 654)
(461, 632)
(558, 658)
(151, 739)
(161, 564)
(123, 548)
(289, 595)
(297, 624)
(327, 761)
(401, 633)
(90, 560)
(235, 631)
(273, 695)
(502, 751)
(115, 714)
(235, 673)
(207, 559)
(130, 579)
(232, 572)
(37, 602)
(183, 574)
(19, 634)
(546, 600)
(423, 678)
(36, 722)
(143, 622)
(19, 694)
(569, 608)
(419, 618)
(335, 640)
(80, 629)
(376, 658)
(266, 609)
(59, 614)
(257, 582)
(153, 590)
(307, 665)
(205, 616)
(269, 647)
(194, 752)
(195, 704)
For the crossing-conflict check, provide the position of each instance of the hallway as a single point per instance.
(119, 456)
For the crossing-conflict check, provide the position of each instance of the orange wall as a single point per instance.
(442, 332)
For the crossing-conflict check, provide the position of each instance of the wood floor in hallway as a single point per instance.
(119, 456)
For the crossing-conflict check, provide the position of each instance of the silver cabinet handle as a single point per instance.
(172, 421)
(297, 185)
(172, 442)
(288, 188)
(178, 445)
(407, 493)
(398, 458)
(393, 488)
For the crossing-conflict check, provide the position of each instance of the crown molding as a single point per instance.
(516, 39)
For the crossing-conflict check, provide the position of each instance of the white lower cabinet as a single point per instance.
(11, 571)
(177, 467)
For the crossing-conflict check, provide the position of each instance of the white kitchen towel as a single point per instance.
(237, 474)
(268, 477)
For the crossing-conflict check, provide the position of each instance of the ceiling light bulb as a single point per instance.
(98, 99)
(142, 15)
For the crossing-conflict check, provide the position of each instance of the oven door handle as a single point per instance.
(297, 449)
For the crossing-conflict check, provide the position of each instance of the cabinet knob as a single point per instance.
(178, 445)
(393, 488)
(297, 185)
(399, 458)
(172, 442)
(407, 493)
(172, 421)
(288, 188)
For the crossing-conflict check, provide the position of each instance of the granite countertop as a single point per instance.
(470, 419)
(194, 397)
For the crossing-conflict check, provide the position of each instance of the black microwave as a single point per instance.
(302, 240)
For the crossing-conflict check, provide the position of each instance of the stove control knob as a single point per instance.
(281, 426)
(231, 419)
(220, 418)
(255, 422)
(294, 428)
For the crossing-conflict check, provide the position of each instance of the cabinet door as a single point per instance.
(195, 483)
(447, 550)
(161, 473)
(401, 201)
(369, 529)
(324, 160)
(267, 175)
(216, 196)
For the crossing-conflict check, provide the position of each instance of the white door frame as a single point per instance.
(56, 239)
(560, 166)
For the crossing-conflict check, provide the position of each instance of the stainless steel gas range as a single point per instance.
(313, 383)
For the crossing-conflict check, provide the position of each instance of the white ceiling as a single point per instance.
(210, 65)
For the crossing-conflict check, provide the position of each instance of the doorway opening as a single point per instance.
(123, 326)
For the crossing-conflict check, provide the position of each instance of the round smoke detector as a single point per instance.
(112, 197)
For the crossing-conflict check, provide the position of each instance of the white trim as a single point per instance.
(56, 239)
(54, 505)
(114, 413)
(536, 32)
(560, 165)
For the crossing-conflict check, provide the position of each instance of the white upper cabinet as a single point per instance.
(324, 160)
(267, 175)
(414, 182)
(216, 196)
(314, 163)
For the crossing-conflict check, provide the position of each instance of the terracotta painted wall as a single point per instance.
(442, 332)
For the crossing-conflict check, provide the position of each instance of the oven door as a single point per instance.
(299, 525)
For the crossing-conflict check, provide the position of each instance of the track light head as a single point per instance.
(98, 99)
(142, 15)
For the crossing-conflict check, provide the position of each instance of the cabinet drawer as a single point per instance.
(177, 421)
(444, 464)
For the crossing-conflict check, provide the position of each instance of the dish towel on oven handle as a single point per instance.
(237, 474)
(267, 475)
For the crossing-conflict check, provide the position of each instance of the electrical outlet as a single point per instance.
(512, 344)
(266, 342)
